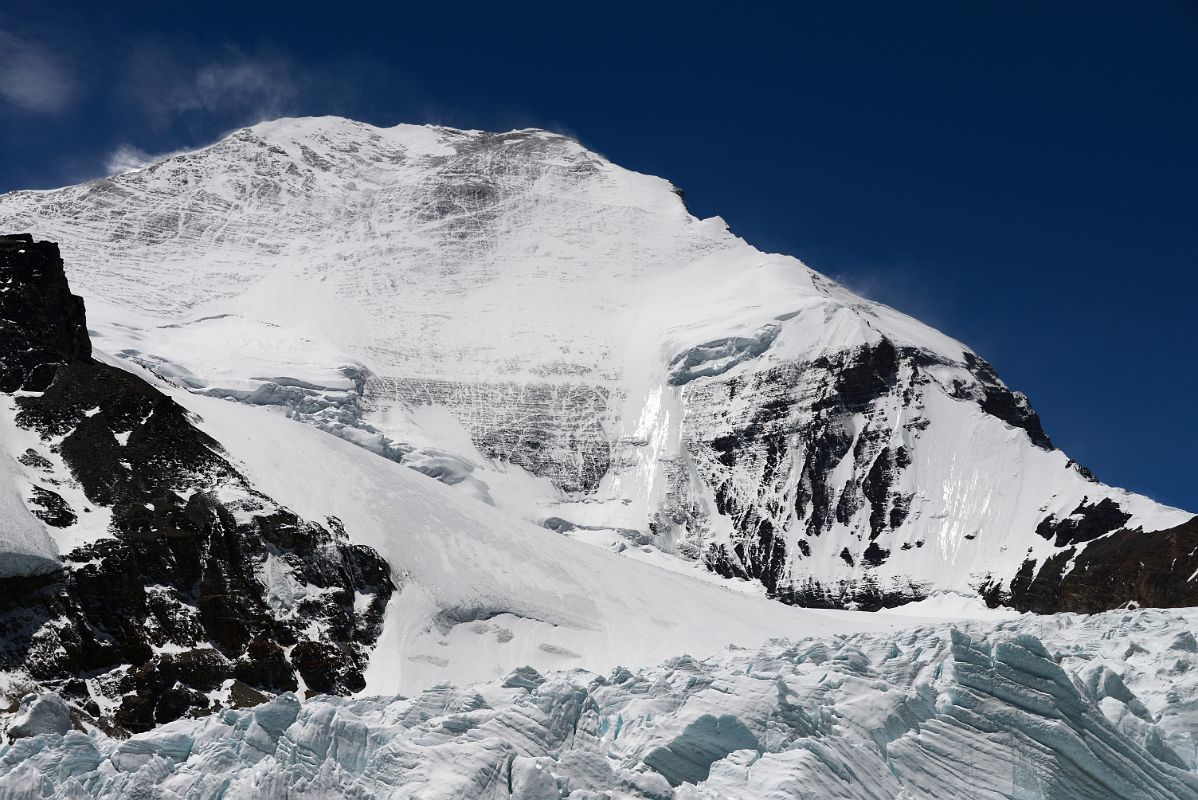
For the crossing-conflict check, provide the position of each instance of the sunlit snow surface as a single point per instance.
(1063, 707)
(549, 307)
(480, 591)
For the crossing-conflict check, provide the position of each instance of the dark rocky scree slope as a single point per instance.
(171, 614)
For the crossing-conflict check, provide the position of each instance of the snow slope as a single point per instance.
(558, 336)
(1097, 707)
(25, 545)
(481, 592)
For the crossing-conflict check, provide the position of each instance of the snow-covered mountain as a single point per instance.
(559, 337)
(197, 554)
(497, 438)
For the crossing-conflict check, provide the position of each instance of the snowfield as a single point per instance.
(1063, 707)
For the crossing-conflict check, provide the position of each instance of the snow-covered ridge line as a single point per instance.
(561, 338)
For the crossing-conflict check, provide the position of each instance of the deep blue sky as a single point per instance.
(1022, 175)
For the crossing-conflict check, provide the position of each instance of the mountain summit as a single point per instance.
(560, 338)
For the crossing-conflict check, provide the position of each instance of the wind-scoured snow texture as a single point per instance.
(1107, 710)
(610, 360)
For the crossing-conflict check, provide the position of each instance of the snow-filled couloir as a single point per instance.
(559, 337)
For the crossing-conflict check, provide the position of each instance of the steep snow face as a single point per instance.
(25, 545)
(559, 337)
(977, 710)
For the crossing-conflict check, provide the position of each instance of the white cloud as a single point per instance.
(33, 78)
(237, 89)
(264, 88)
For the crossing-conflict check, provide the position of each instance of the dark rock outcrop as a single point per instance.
(1155, 569)
(200, 584)
(800, 429)
(999, 401)
(42, 326)
(1087, 522)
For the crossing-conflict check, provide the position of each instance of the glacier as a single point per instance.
(479, 591)
(1061, 707)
